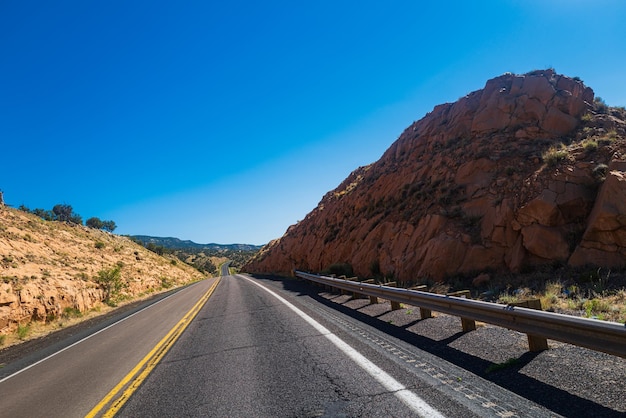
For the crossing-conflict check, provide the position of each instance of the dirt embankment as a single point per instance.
(51, 273)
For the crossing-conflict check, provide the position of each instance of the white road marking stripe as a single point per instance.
(409, 398)
(86, 338)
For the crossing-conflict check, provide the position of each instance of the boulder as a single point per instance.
(606, 227)
(545, 242)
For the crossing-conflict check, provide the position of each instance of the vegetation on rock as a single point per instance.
(527, 174)
(54, 272)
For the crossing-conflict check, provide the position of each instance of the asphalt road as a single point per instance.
(73, 381)
(257, 348)
(248, 354)
(225, 269)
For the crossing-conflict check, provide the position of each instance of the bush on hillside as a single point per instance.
(111, 282)
(65, 213)
(97, 223)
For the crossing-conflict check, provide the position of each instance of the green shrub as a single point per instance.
(71, 312)
(590, 145)
(601, 106)
(554, 154)
(99, 245)
(166, 282)
(97, 223)
(94, 222)
(65, 213)
(340, 269)
(595, 307)
(22, 331)
(611, 135)
(111, 282)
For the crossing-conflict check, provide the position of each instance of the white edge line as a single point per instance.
(84, 339)
(409, 398)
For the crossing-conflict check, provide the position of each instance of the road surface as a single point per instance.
(257, 347)
(261, 349)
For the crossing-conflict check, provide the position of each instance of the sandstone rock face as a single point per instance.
(49, 267)
(604, 240)
(471, 187)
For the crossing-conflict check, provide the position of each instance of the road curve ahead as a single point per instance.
(74, 379)
(225, 269)
(252, 353)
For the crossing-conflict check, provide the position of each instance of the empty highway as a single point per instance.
(257, 347)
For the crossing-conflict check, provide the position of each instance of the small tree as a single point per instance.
(109, 226)
(111, 282)
(95, 223)
(62, 212)
(65, 213)
(159, 249)
(44, 214)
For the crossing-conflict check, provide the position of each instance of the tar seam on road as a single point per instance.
(84, 339)
(148, 363)
(410, 399)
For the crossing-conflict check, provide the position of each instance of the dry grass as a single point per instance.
(555, 154)
(594, 299)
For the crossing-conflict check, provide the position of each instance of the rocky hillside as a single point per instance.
(50, 269)
(530, 170)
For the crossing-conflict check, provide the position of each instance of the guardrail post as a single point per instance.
(341, 291)
(373, 299)
(466, 323)
(355, 295)
(424, 313)
(535, 343)
(394, 305)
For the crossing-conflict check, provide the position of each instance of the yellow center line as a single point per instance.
(149, 362)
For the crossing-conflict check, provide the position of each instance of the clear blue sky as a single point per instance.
(227, 121)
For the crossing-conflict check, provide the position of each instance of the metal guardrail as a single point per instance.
(604, 336)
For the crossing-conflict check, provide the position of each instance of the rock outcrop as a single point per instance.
(526, 171)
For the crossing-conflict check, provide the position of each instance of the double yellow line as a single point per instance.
(139, 373)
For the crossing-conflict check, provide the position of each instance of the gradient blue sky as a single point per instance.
(227, 121)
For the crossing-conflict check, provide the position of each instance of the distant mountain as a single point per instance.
(178, 244)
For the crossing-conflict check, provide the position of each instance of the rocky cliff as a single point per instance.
(529, 170)
(48, 269)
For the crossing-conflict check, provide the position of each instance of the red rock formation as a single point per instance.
(604, 241)
(470, 188)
